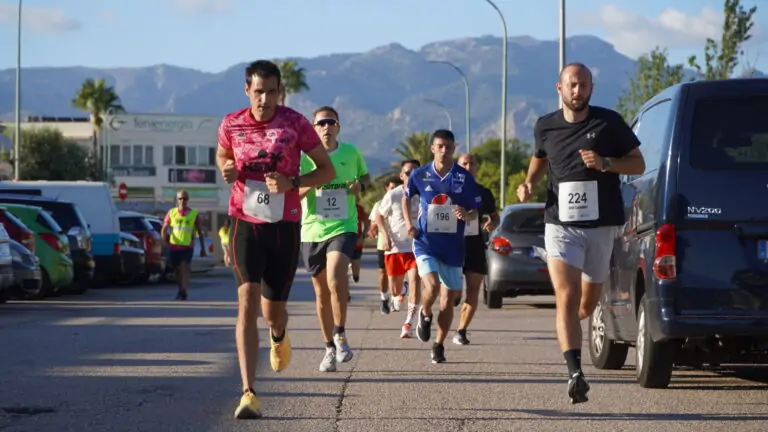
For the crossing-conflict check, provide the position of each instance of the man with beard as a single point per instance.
(585, 148)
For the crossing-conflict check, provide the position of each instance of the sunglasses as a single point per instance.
(183, 198)
(326, 122)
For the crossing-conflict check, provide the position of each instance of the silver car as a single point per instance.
(514, 267)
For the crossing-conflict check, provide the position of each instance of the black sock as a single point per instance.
(338, 330)
(573, 360)
(275, 338)
(462, 332)
(249, 390)
(330, 345)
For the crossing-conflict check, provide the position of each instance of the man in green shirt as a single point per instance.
(329, 233)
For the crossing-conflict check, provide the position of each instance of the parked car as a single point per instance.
(51, 246)
(6, 265)
(71, 220)
(27, 276)
(688, 281)
(17, 230)
(138, 225)
(514, 268)
(132, 259)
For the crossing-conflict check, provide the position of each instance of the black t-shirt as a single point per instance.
(487, 208)
(605, 132)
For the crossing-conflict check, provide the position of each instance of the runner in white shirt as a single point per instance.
(399, 259)
(376, 231)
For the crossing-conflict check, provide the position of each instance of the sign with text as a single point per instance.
(161, 123)
(133, 171)
(193, 175)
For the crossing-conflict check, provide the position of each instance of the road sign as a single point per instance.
(122, 191)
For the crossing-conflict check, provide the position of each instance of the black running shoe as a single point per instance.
(578, 388)
(182, 295)
(424, 328)
(385, 307)
(438, 353)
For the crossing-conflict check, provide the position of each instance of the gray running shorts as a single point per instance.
(588, 249)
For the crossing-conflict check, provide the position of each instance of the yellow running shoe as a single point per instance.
(249, 408)
(280, 354)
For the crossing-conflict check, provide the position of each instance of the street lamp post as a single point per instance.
(445, 111)
(17, 102)
(503, 102)
(466, 96)
(561, 53)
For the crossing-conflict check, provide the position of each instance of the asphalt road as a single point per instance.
(131, 359)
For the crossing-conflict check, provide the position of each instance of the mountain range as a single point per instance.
(380, 94)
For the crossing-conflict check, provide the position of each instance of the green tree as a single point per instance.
(47, 155)
(721, 59)
(653, 73)
(294, 79)
(488, 155)
(97, 99)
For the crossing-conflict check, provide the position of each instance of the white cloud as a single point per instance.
(634, 34)
(203, 6)
(38, 19)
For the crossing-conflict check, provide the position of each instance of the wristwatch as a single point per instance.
(607, 164)
(295, 182)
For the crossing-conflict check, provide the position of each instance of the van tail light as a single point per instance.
(500, 245)
(664, 261)
(116, 249)
(210, 248)
(53, 241)
(28, 240)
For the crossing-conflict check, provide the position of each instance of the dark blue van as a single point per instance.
(689, 273)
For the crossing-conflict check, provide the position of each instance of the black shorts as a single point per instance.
(266, 254)
(357, 254)
(314, 253)
(181, 255)
(475, 260)
(382, 262)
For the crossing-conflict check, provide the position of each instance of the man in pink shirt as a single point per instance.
(259, 152)
(180, 239)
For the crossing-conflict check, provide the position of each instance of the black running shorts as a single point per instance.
(314, 253)
(266, 254)
(474, 258)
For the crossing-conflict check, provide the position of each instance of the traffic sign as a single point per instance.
(122, 191)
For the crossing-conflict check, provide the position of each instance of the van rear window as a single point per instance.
(730, 133)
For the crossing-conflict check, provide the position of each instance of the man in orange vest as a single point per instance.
(179, 227)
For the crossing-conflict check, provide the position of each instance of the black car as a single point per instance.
(27, 277)
(689, 279)
(68, 216)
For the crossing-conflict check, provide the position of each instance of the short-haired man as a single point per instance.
(585, 149)
(475, 262)
(448, 198)
(259, 152)
(179, 228)
(398, 246)
(329, 234)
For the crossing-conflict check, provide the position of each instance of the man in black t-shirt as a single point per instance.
(475, 263)
(585, 149)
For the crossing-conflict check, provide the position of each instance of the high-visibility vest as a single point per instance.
(182, 227)
(224, 235)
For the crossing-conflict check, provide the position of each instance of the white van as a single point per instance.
(94, 200)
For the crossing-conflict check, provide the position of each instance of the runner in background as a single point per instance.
(362, 228)
(375, 231)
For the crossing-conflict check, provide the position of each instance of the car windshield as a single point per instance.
(730, 133)
(528, 220)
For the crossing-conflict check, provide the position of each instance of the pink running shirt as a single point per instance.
(284, 138)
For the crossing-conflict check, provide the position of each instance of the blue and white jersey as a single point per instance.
(441, 233)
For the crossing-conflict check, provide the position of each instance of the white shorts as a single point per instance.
(588, 249)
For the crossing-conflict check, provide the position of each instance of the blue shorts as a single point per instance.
(451, 277)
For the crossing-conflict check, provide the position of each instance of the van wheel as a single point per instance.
(492, 299)
(605, 352)
(653, 359)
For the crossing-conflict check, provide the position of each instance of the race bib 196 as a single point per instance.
(577, 201)
(441, 219)
(472, 228)
(331, 204)
(258, 202)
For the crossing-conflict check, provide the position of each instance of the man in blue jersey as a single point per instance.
(448, 198)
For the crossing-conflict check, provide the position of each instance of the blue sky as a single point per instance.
(211, 35)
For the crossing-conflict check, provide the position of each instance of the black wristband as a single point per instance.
(296, 182)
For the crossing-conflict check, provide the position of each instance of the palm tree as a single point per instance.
(294, 79)
(96, 98)
(416, 146)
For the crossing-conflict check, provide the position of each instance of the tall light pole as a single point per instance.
(17, 103)
(503, 102)
(466, 96)
(561, 53)
(445, 111)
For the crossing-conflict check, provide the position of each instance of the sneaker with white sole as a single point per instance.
(329, 361)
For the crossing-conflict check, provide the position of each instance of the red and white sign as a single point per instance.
(122, 191)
